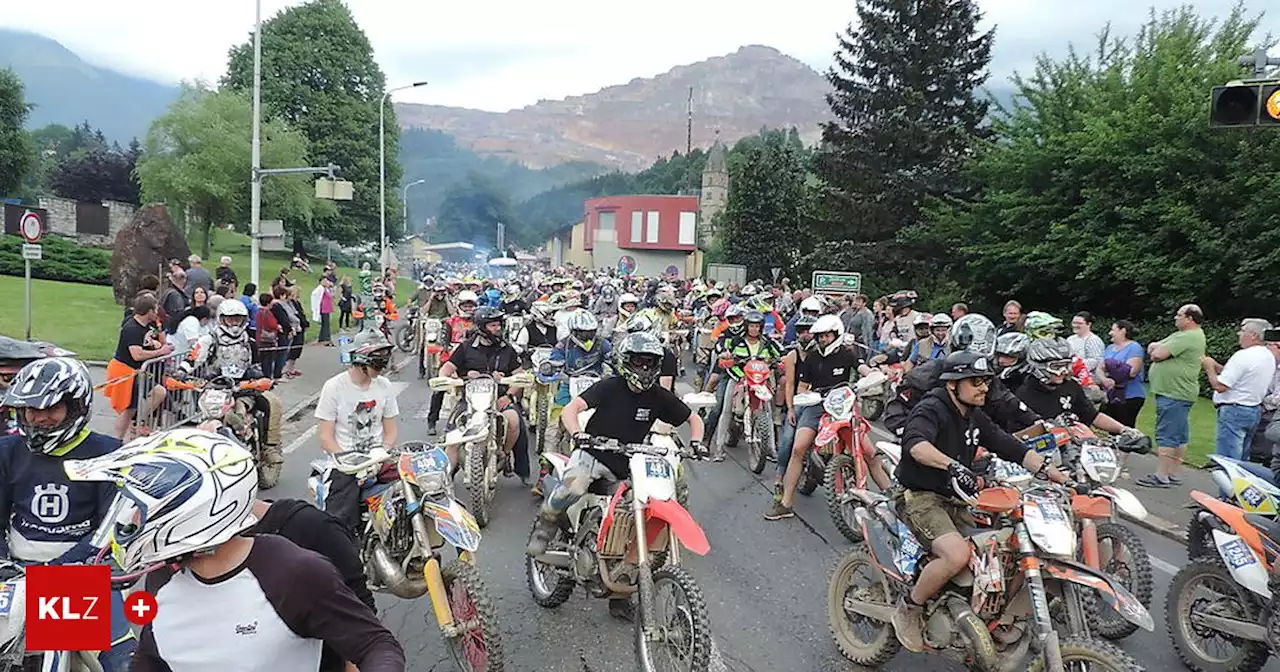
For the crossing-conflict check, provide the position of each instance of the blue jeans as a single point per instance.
(123, 643)
(1236, 425)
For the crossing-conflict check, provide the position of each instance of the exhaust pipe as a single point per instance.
(558, 559)
(393, 576)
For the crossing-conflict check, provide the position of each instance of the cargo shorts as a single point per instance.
(930, 515)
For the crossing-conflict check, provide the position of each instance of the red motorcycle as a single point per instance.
(753, 410)
(844, 444)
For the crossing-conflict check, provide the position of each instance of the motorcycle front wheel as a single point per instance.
(478, 648)
(681, 635)
(761, 444)
(550, 586)
(1125, 557)
(1206, 586)
(1091, 654)
(862, 640)
(814, 472)
(479, 482)
(405, 337)
(841, 478)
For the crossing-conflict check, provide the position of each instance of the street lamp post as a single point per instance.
(404, 201)
(255, 189)
(382, 170)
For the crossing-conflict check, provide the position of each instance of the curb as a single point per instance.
(1160, 526)
(301, 407)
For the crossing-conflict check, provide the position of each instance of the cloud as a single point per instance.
(501, 54)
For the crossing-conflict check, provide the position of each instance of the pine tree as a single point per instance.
(905, 94)
(765, 220)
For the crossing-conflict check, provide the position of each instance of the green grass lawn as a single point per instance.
(86, 318)
(1204, 419)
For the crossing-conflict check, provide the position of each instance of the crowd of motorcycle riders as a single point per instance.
(952, 379)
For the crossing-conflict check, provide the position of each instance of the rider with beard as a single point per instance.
(626, 407)
(486, 354)
(456, 329)
(973, 333)
(791, 361)
(940, 443)
(1011, 359)
(1051, 390)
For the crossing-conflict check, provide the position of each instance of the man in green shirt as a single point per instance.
(1175, 382)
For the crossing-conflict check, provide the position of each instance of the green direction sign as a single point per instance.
(836, 282)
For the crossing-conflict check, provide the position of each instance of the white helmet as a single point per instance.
(181, 491)
(467, 296)
(828, 324)
(942, 320)
(812, 303)
(626, 298)
(543, 312)
(239, 314)
(582, 328)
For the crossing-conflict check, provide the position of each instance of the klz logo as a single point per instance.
(68, 608)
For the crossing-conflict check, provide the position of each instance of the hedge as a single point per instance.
(63, 261)
(1220, 338)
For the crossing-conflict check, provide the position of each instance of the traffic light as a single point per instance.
(1245, 105)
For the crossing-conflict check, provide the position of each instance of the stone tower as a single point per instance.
(714, 194)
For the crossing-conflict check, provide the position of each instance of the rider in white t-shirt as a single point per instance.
(357, 410)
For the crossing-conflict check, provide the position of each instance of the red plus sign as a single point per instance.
(140, 607)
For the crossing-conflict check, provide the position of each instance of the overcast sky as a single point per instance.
(500, 54)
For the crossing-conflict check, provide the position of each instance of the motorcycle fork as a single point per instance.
(644, 590)
(1046, 636)
(431, 570)
(1089, 543)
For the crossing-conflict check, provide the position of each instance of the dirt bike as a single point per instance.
(1228, 597)
(406, 335)
(873, 391)
(402, 491)
(480, 429)
(996, 613)
(431, 348)
(751, 418)
(1245, 485)
(227, 408)
(844, 441)
(543, 395)
(600, 545)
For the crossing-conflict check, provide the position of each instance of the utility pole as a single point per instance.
(255, 188)
(688, 146)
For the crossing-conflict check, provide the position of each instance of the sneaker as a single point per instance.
(1174, 480)
(777, 512)
(908, 625)
(622, 609)
(1154, 481)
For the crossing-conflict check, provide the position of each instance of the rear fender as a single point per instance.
(559, 463)
(681, 523)
(1246, 566)
(878, 536)
(1233, 516)
(609, 516)
(1109, 589)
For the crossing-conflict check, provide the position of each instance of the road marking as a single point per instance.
(1166, 567)
(310, 432)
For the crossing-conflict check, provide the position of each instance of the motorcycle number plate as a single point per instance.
(1101, 456)
(1253, 497)
(656, 467)
(1237, 553)
(579, 384)
(1050, 510)
(6, 598)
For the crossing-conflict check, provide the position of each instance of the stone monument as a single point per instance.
(143, 246)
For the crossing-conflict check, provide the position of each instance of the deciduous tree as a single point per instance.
(98, 174)
(197, 156)
(15, 150)
(471, 212)
(319, 76)
(766, 219)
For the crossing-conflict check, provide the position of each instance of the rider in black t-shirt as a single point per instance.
(626, 407)
(1050, 390)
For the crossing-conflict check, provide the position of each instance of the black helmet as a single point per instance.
(965, 364)
(484, 316)
(753, 317)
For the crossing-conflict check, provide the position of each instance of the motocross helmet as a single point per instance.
(665, 302)
(905, 298)
(736, 317)
(762, 303)
(811, 306)
(370, 348)
(1049, 358)
(467, 302)
(180, 492)
(1041, 325)
(1013, 344)
(804, 337)
(486, 317)
(511, 293)
(628, 299)
(753, 317)
(233, 318)
(378, 290)
(41, 385)
(973, 333)
(582, 329)
(963, 364)
(543, 313)
(640, 360)
(828, 324)
(570, 299)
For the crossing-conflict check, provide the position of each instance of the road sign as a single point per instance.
(32, 252)
(836, 283)
(672, 271)
(626, 264)
(776, 271)
(31, 227)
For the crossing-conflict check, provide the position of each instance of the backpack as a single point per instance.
(915, 384)
(268, 328)
(171, 321)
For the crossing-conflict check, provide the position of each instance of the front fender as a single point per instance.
(682, 524)
(1107, 587)
(1126, 501)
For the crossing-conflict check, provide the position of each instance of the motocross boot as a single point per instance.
(543, 532)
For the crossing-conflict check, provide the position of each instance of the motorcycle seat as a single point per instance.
(603, 487)
(1267, 525)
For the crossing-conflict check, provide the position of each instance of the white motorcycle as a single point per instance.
(430, 348)
(542, 398)
(873, 393)
(480, 429)
(600, 546)
(401, 553)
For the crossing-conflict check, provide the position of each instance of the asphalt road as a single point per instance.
(765, 582)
